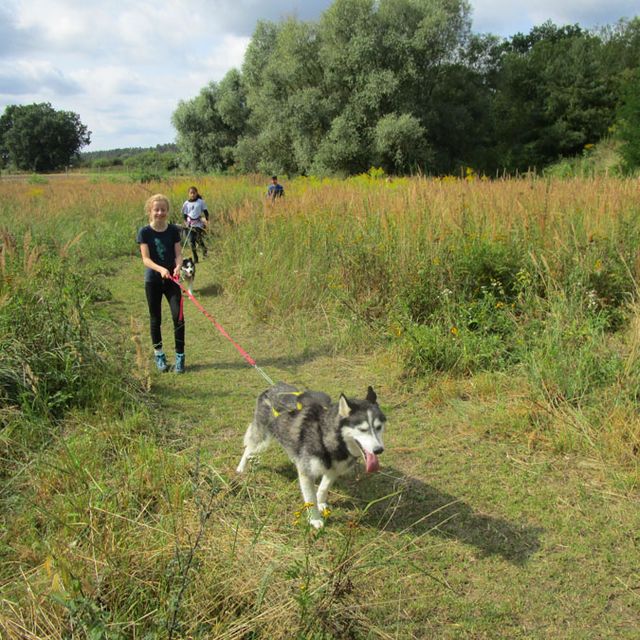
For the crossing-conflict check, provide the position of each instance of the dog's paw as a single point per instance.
(316, 522)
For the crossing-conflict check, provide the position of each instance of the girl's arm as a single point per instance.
(148, 262)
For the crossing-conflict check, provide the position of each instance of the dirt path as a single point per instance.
(529, 543)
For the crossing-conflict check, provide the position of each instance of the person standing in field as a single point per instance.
(162, 256)
(196, 219)
(275, 189)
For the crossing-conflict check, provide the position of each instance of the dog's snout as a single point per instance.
(378, 450)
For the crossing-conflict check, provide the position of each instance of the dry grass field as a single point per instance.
(498, 323)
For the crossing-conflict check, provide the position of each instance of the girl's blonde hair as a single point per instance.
(159, 197)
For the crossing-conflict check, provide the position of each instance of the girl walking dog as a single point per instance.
(196, 218)
(162, 256)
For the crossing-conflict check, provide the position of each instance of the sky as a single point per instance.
(123, 67)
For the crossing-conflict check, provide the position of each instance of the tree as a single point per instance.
(553, 96)
(381, 59)
(399, 141)
(36, 137)
(210, 125)
(283, 80)
(628, 128)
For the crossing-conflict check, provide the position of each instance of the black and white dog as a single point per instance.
(323, 439)
(188, 273)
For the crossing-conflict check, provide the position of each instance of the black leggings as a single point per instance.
(196, 237)
(171, 291)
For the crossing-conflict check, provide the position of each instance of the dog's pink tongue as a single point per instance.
(371, 463)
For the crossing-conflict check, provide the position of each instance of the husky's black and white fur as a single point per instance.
(188, 273)
(322, 438)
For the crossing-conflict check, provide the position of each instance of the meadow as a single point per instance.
(497, 320)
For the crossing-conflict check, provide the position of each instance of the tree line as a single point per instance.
(405, 85)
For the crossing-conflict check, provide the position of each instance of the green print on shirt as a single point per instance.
(160, 249)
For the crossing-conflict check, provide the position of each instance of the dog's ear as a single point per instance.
(371, 395)
(344, 410)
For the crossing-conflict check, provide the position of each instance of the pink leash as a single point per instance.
(220, 328)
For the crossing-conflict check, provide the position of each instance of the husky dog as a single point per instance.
(188, 273)
(322, 438)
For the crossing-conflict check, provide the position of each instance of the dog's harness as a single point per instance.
(297, 406)
(291, 401)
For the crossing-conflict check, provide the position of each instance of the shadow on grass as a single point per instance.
(416, 508)
(239, 363)
(214, 289)
(283, 361)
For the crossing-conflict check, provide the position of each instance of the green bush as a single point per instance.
(53, 357)
(567, 356)
(466, 271)
(434, 349)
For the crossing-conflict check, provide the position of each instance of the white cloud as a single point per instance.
(227, 54)
(24, 77)
(506, 18)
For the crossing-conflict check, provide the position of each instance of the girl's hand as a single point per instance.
(176, 272)
(164, 273)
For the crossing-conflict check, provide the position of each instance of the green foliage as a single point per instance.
(62, 368)
(38, 138)
(332, 97)
(343, 149)
(435, 349)
(602, 159)
(53, 359)
(400, 144)
(209, 125)
(37, 179)
(406, 85)
(288, 106)
(569, 327)
(554, 96)
(628, 128)
(151, 161)
(106, 159)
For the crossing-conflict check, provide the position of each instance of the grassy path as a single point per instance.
(479, 536)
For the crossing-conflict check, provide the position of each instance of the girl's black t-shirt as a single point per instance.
(162, 248)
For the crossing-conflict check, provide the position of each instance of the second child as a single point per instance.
(196, 218)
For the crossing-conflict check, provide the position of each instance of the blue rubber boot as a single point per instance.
(161, 362)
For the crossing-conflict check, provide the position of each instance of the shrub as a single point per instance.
(567, 356)
(53, 358)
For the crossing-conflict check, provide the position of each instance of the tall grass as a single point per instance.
(535, 277)
(56, 356)
(459, 276)
(109, 531)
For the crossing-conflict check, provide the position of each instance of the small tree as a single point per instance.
(400, 144)
(36, 137)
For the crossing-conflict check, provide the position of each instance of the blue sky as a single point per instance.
(123, 67)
